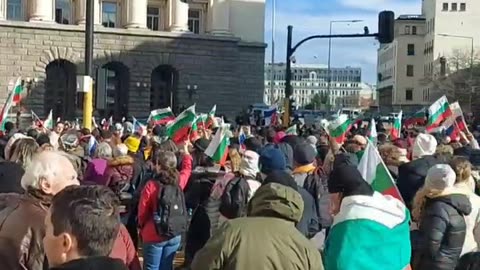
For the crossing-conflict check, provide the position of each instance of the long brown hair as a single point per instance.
(462, 168)
(166, 167)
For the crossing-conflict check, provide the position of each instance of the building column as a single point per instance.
(179, 16)
(219, 17)
(81, 12)
(135, 14)
(3, 9)
(41, 10)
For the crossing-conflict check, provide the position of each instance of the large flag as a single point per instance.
(375, 172)
(339, 127)
(161, 116)
(291, 130)
(397, 127)
(372, 132)
(270, 116)
(418, 118)
(438, 112)
(458, 114)
(48, 123)
(138, 127)
(179, 129)
(18, 91)
(8, 105)
(197, 124)
(218, 147)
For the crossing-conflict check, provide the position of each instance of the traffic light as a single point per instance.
(293, 106)
(386, 24)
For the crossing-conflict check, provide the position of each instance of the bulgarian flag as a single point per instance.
(161, 116)
(6, 109)
(17, 91)
(218, 147)
(458, 114)
(48, 123)
(418, 118)
(198, 123)
(397, 127)
(291, 130)
(179, 129)
(211, 121)
(339, 127)
(438, 112)
(375, 172)
(372, 132)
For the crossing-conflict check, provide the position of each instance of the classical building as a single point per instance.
(399, 67)
(147, 54)
(451, 35)
(308, 80)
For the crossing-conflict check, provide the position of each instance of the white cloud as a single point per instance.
(398, 6)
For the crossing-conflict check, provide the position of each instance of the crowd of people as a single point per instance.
(115, 198)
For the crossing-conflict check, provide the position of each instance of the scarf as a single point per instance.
(304, 169)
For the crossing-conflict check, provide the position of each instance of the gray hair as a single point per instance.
(121, 150)
(50, 166)
(104, 150)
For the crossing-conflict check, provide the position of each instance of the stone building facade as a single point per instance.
(136, 69)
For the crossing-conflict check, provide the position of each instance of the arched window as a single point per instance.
(63, 11)
(15, 11)
(164, 81)
(60, 89)
(113, 90)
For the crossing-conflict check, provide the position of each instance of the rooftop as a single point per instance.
(411, 17)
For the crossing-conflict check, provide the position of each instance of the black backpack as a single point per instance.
(171, 218)
(316, 183)
(234, 199)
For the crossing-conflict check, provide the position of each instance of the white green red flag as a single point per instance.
(138, 127)
(418, 118)
(179, 129)
(211, 121)
(161, 116)
(6, 109)
(397, 127)
(339, 127)
(372, 132)
(48, 123)
(218, 147)
(458, 114)
(438, 112)
(17, 91)
(375, 172)
(291, 130)
(197, 124)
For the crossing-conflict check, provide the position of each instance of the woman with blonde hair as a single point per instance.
(393, 157)
(440, 213)
(466, 185)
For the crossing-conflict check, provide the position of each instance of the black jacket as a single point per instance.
(443, 229)
(10, 177)
(308, 224)
(93, 263)
(411, 177)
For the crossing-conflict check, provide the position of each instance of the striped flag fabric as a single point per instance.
(138, 127)
(218, 147)
(92, 145)
(36, 121)
(438, 112)
(397, 127)
(418, 118)
(161, 116)
(459, 118)
(18, 91)
(291, 130)
(211, 121)
(372, 132)
(270, 116)
(197, 124)
(242, 137)
(6, 109)
(339, 127)
(375, 172)
(179, 129)
(48, 123)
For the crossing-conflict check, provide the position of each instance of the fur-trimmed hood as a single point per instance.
(121, 161)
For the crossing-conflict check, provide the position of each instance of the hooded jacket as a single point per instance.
(266, 239)
(443, 228)
(119, 173)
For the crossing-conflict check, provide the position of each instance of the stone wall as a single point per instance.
(228, 72)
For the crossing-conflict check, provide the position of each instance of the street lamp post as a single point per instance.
(471, 61)
(272, 70)
(329, 71)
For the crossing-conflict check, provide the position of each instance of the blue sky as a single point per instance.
(310, 17)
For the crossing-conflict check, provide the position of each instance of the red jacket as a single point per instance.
(124, 250)
(149, 199)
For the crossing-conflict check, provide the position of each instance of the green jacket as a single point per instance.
(267, 239)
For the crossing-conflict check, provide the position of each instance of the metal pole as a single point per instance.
(88, 96)
(329, 71)
(288, 77)
(471, 77)
(272, 70)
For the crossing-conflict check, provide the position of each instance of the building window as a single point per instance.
(63, 11)
(463, 6)
(445, 7)
(414, 30)
(411, 49)
(109, 14)
(194, 21)
(15, 10)
(153, 18)
(454, 7)
(409, 94)
(407, 30)
(409, 70)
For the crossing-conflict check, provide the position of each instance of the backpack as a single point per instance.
(171, 217)
(316, 183)
(234, 199)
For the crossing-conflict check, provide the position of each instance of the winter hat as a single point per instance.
(201, 144)
(253, 144)
(281, 177)
(272, 159)
(304, 154)
(312, 140)
(132, 143)
(424, 145)
(279, 137)
(440, 177)
(249, 164)
(347, 179)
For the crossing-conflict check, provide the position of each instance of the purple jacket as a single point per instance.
(96, 172)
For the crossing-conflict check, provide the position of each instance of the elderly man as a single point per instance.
(22, 216)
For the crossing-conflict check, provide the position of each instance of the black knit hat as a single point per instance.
(345, 178)
(281, 177)
(304, 154)
(253, 144)
(201, 144)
